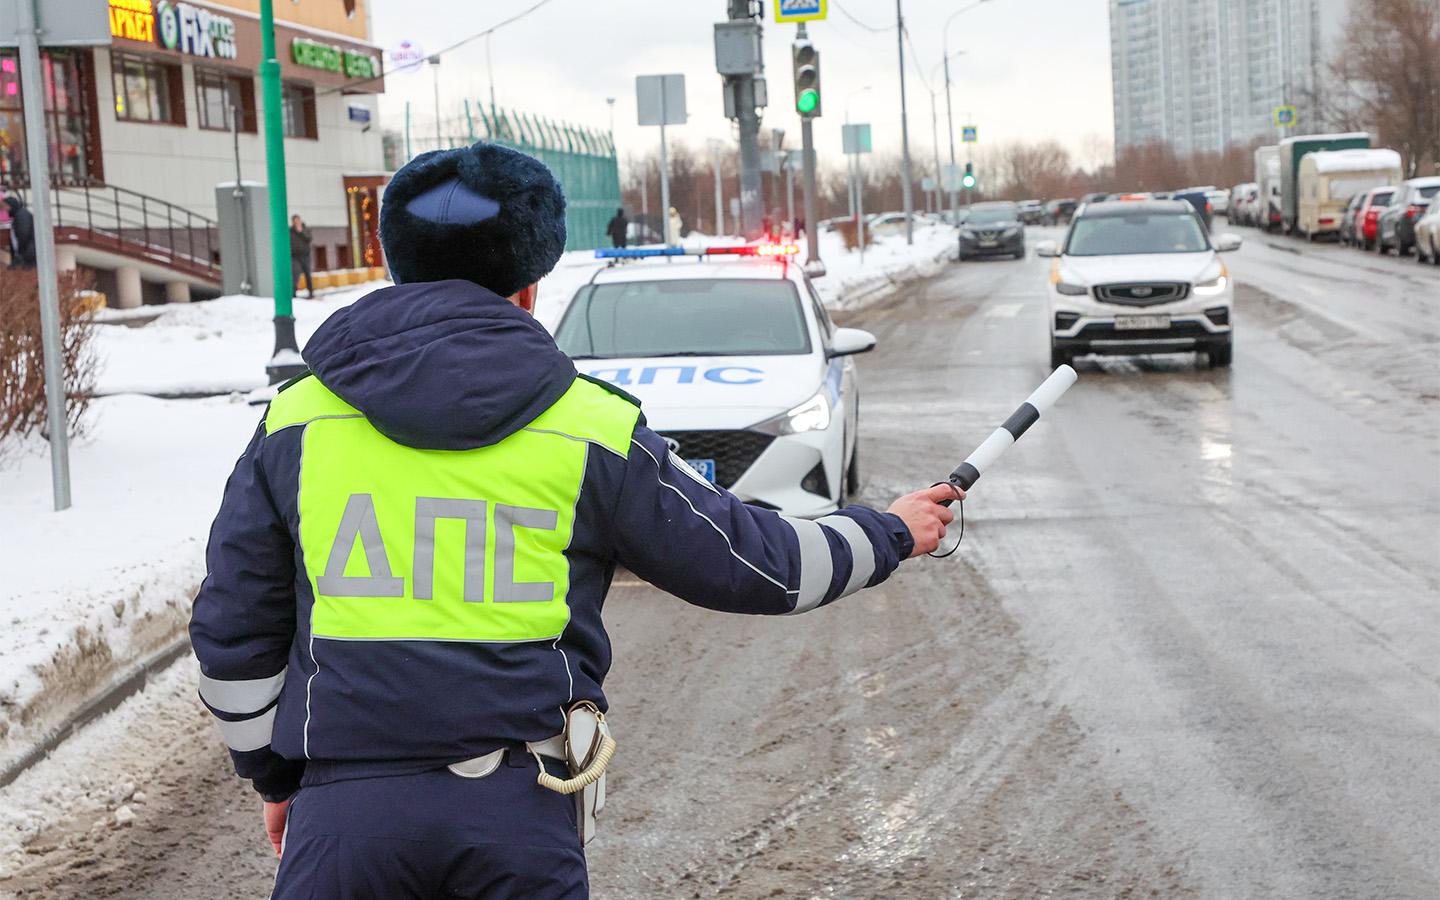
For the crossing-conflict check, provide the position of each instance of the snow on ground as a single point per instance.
(92, 590)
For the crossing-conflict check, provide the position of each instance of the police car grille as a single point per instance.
(733, 451)
(1146, 294)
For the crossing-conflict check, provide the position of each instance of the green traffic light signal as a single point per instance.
(806, 71)
(968, 181)
(807, 101)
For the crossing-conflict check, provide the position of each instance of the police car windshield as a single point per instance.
(710, 317)
(1167, 232)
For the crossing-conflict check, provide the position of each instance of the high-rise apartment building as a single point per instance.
(1201, 75)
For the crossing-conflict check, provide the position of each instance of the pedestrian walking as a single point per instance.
(676, 225)
(300, 255)
(22, 232)
(618, 228)
(400, 630)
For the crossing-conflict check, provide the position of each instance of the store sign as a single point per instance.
(133, 20)
(198, 32)
(331, 58)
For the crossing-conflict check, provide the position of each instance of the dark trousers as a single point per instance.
(433, 835)
(301, 265)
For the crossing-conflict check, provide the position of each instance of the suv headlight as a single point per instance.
(1068, 288)
(1212, 282)
(812, 415)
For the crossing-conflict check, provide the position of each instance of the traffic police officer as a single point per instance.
(409, 562)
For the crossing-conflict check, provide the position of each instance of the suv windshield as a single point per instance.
(988, 215)
(1141, 232)
(712, 317)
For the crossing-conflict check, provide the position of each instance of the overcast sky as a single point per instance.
(1032, 68)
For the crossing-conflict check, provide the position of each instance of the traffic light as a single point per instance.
(968, 179)
(806, 60)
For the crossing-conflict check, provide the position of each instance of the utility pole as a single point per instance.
(950, 124)
(935, 143)
(285, 362)
(905, 174)
(740, 61)
(717, 153)
(38, 150)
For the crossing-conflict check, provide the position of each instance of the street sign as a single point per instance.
(856, 138)
(660, 99)
(1284, 116)
(950, 178)
(406, 57)
(799, 10)
(63, 23)
(968, 134)
(927, 184)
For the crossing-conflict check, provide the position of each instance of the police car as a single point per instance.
(736, 363)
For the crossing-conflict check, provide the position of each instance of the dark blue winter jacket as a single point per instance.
(404, 574)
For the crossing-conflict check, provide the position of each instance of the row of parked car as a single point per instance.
(1400, 217)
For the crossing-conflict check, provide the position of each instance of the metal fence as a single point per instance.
(583, 160)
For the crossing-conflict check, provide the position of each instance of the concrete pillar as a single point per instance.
(65, 259)
(177, 292)
(127, 288)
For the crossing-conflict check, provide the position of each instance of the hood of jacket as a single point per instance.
(440, 365)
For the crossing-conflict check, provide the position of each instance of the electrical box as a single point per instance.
(243, 218)
(737, 48)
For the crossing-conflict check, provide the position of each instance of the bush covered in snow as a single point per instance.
(22, 362)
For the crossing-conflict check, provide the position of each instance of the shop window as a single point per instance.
(219, 94)
(298, 110)
(68, 88)
(147, 90)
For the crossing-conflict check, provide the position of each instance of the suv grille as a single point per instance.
(733, 451)
(1143, 294)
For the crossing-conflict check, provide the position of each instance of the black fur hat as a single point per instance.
(485, 214)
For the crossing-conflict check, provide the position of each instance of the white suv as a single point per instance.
(1139, 277)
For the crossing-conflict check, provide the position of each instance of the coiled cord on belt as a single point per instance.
(580, 782)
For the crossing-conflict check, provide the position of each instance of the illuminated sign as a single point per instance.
(315, 55)
(198, 32)
(133, 20)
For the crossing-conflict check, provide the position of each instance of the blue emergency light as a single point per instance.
(765, 250)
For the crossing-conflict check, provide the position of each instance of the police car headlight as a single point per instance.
(812, 415)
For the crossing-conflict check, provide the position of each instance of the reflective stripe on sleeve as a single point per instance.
(816, 567)
(862, 554)
(241, 697)
(251, 734)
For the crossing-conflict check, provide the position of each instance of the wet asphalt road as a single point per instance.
(1187, 649)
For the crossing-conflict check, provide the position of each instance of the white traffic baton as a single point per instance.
(1001, 439)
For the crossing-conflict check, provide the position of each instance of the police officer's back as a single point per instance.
(406, 575)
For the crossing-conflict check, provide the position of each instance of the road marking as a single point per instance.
(1004, 310)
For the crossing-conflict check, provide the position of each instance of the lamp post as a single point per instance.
(850, 160)
(285, 362)
(905, 176)
(948, 121)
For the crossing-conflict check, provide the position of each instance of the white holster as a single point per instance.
(585, 747)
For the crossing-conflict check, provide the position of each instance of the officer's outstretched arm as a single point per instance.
(243, 623)
(699, 542)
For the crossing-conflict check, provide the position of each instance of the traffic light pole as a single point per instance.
(285, 362)
(807, 151)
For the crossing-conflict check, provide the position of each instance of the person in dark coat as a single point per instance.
(22, 234)
(617, 228)
(300, 255)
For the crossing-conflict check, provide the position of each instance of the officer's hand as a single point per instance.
(275, 823)
(925, 517)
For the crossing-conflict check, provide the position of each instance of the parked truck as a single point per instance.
(1328, 180)
(1292, 149)
(1267, 181)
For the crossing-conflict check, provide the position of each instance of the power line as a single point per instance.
(455, 46)
(919, 67)
(870, 28)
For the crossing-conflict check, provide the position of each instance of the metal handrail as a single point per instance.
(136, 224)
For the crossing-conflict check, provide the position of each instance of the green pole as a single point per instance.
(408, 155)
(286, 362)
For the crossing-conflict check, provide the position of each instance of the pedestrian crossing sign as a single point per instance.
(799, 10)
(967, 134)
(1284, 116)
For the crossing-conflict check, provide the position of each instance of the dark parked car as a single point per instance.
(1031, 211)
(1200, 202)
(1396, 227)
(993, 229)
(1058, 212)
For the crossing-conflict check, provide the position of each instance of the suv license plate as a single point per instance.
(706, 468)
(1133, 323)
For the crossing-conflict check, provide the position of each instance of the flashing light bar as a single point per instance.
(766, 250)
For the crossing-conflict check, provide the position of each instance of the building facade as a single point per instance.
(1202, 75)
(174, 107)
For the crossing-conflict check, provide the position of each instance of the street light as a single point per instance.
(934, 124)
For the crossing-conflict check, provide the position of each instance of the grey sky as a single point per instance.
(1033, 68)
